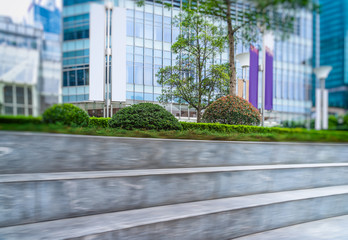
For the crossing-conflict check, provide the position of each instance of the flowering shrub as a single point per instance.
(232, 110)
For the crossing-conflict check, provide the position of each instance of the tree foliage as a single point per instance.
(194, 78)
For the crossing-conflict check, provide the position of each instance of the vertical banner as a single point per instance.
(269, 80)
(254, 76)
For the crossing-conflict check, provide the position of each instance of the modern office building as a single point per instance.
(332, 41)
(140, 44)
(30, 63)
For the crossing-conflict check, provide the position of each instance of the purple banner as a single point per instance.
(253, 76)
(269, 80)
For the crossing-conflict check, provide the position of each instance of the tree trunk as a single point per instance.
(199, 115)
(232, 66)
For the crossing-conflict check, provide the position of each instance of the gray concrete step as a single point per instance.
(212, 219)
(28, 198)
(335, 228)
(23, 152)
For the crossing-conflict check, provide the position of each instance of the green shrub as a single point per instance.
(20, 119)
(333, 122)
(99, 122)
(66, 114)
(225, 128)
(232, 110)
(144, 116)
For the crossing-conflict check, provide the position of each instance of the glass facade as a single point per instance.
(20, 48)
(334, 50)
(150, 34)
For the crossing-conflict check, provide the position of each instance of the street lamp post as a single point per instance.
(321, 98)
(244, 60)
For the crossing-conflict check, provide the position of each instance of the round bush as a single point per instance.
(144, 116)
(66, 114)
(232, 110)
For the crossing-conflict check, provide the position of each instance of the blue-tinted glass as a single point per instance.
(138, 50)
(148, 31)
(72, 98)
(138, 73)
(80, 98)
(130, 13)
(130, 28)
(138, 58)
(65, 99)
(139, 15)
(148, 97)
(130, 95)
(130, 49)
(80, 77)
(148, 51)
(148, 74)
(158, 53)
(167, 35)
(72, 78)
(139, 96)
(139, 30)
(158, 19)
(158, 33)
(148, 59)
(129, 72)
(167, 20)
(65, 79)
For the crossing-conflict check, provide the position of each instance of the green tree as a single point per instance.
(194, 79)
(257, 16)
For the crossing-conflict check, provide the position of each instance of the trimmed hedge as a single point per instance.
(99, 122)
(144, 116)
(20, 119)
(66, 114)
(225, 128)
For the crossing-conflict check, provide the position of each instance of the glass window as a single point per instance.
(20, 110)
(139, 15)
(20, 95)
(158, 33)
(149, 17)
(148, 31)
(158, 53)
(167, 20)
(80, 77)
(8, 94)
(148, 97)
(72, 79)
(86, 76)
(8, 110)
(129, 72)
(139, 96)
(72, 98)
(148, 51)
(166, 54)
(139, 50)
(139, 30)
(148, 59)
(130, 95)
(148, 75)
(129, 49)
(130, 28)
(138, 73)
(30, 97)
